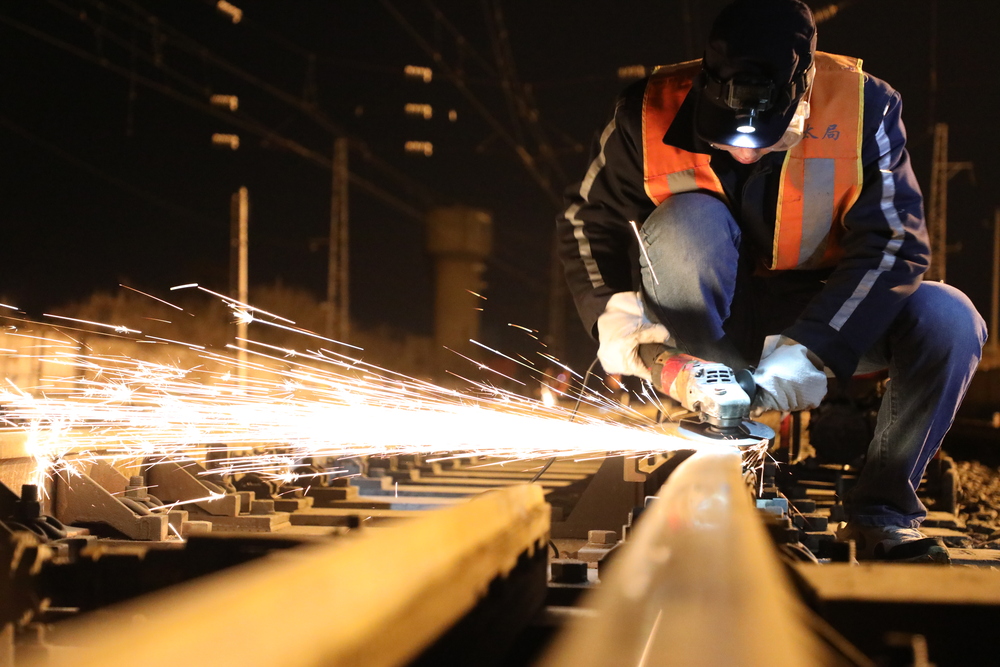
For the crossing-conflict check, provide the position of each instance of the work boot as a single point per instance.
(893, 544)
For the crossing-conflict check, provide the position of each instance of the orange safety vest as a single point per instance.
(820, 178)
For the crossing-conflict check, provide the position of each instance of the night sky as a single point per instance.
(108, 175)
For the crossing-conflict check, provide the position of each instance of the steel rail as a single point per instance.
(698, 583)
(374, 601)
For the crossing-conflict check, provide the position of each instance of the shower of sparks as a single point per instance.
(531, 332)
(117, 328)
(277, 407)
(150, 296)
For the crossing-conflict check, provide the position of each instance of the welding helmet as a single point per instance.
(757, 67)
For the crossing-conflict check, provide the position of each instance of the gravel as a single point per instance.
(979, 502)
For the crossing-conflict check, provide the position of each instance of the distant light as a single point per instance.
(230, 141)
(359, 110)
(423, 147)
(452, 115)
(423, 110)
(826, 13)
(231, 102)
(418, 72)
(632, 72)
(230, 10)
(746, 129)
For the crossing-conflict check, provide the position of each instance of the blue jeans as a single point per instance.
(703, 289)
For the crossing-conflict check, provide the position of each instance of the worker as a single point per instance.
(757, 207)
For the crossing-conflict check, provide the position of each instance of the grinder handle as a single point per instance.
(648, 352)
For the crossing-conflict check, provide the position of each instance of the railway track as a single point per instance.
(713, 558)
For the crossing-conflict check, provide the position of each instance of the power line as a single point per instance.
(522, 100)
(524, 110)
(100, 173)
(311, 111)
(241, 121)
(249, 23)
(460, 39)
(527, 160)
(161, 33)
(505, 67)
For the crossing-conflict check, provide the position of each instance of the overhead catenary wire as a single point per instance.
(525, 157)
(461, 39)
(248, 22)
(508, 79)
(163, 34)
(524, 111)
(302, 105)
(525, 120)
(521, 101)
(504, 74)
(290, 46)
(526, 106)
(194, 93)
(240, 121)
(97, 172)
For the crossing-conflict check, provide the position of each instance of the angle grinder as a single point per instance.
(719, 397)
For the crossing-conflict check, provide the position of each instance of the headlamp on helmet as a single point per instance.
(756, 101)
(748, 96)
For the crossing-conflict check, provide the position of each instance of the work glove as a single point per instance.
(789, 377)
(622, 328)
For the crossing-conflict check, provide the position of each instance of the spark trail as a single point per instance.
(280, 405)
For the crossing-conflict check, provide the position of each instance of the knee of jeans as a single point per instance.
(690, 218)
(949, 317)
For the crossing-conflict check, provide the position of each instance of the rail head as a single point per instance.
(375, 600)
(698, 583)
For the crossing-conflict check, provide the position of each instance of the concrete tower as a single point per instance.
(460, 239)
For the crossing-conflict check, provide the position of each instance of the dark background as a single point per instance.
(108, 175)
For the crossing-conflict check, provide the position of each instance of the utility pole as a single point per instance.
(690, 50)
(937, 210)
(993, 347)
(942, 171)
(556, 339)
(932, 87)
(239, 265)
(337, 294)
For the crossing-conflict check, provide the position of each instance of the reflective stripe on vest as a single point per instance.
(821, 175)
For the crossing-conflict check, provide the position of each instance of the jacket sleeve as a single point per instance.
(885, 245)
(595, 240)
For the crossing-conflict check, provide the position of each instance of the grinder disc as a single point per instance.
(747, 434)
